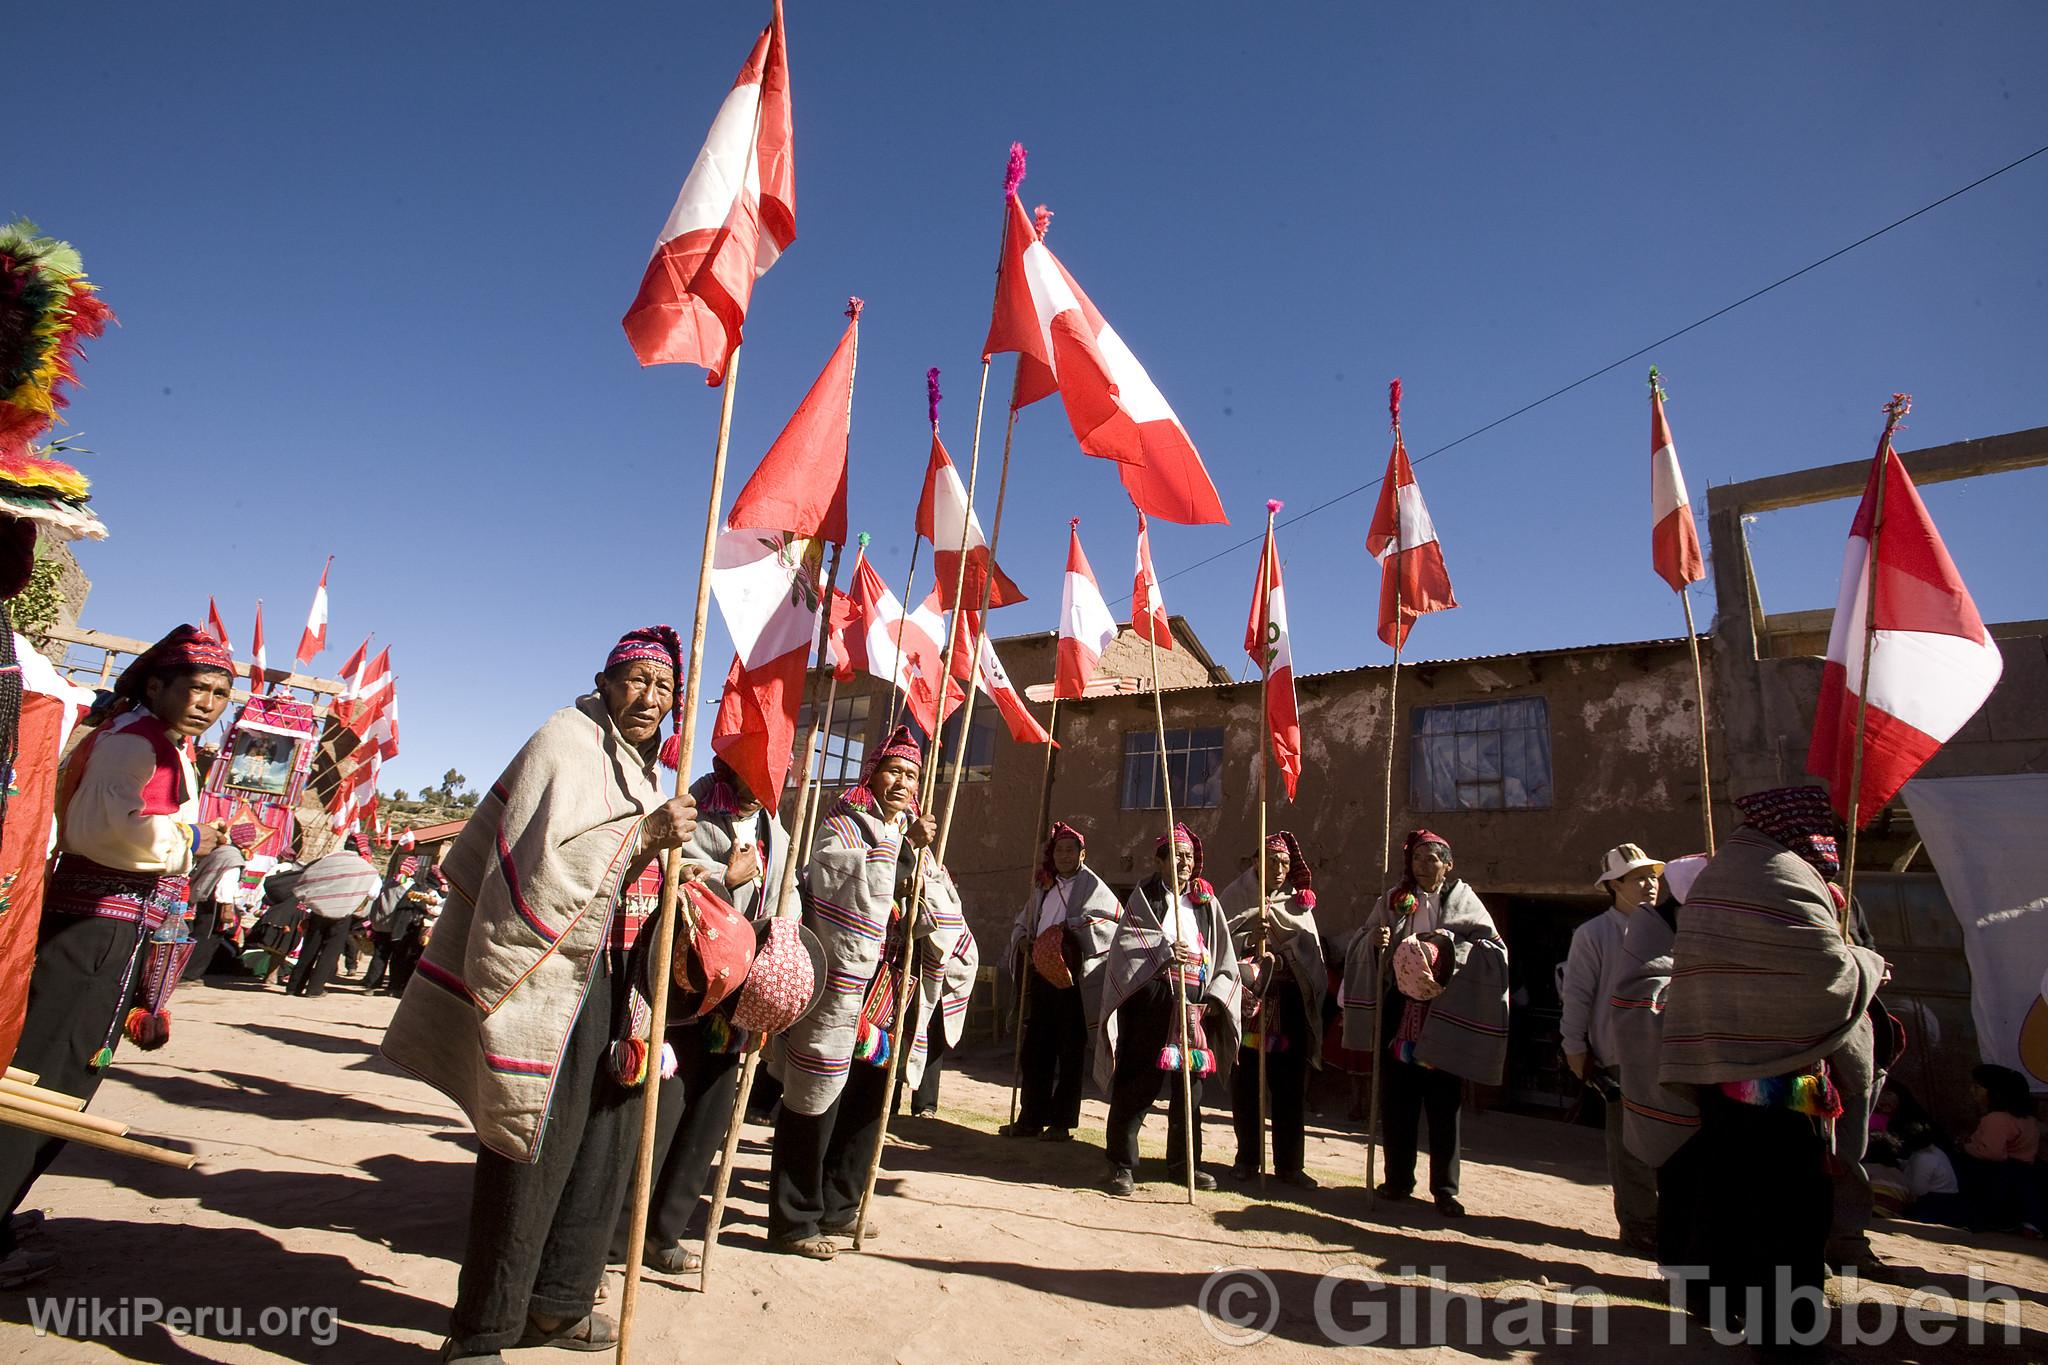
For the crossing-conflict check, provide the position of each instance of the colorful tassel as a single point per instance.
(629, 1061)
(672, 751)
(1013, 175)
(1041, 219)
(101, 1059)
(1394, 404)
(932, 395)
(669, 1063)
(1274, 504)
(146, 1030)
(1169, 1057)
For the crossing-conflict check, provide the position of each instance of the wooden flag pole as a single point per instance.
(930, 783)
(810, 793)
(1180, 999)
(896, 697)
(1699, 683)
(1898, 407)
(1380, 957)
(664, 922)
(1031, 928)
(1265, 757)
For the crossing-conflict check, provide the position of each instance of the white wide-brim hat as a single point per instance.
(1623, 859)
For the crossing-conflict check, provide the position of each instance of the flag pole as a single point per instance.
(1180, 999)
(1699, 678)
(664, 922)
(930, 784)
(1259, 864)
(895, 687)
(810, 793)
(1699, 683)
(812, 798)
(1899, 406)
(1380, 957)
(1031, 931)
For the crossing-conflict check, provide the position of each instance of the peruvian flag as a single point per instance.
(352, 672)
(1931, 665)
(1148, 607)
(406, 840)
(944, 519)
(994, 680)
(371, 687)
(1063, 342)
(259, 662)
(765, 575)
(1265, 640)
(314, 638)
(1086, 627)
(734, 216)
(872, 634)
(1674, 540)
(216, 627)
(1403, 539)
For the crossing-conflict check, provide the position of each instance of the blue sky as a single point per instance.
(370, 262)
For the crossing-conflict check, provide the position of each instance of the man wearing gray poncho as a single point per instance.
(1061, 942)
(1281, 955)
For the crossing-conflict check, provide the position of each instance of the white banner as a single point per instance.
(1985, 835)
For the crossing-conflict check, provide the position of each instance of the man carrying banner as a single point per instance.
(1163, 953)
(835, 1060)
(1285, 981)
(1061, 941)
(522, 1010)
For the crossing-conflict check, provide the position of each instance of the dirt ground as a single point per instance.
(332, 1184)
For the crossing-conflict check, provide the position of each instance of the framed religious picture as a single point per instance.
(261, 761)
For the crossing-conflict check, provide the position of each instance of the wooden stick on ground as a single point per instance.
(664, 925)
(93, 1137)
(1898, 407)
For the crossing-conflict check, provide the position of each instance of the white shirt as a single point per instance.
(1183, 925)
(1929, 1171)
(1052, 906)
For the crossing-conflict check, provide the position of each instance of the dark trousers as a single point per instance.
(1145, 1025)
(692, 1112)
(820, 1162)
(935, 1049)
(75, 999)
(206, 940)
(1413, 1092)
(1766, 1202)
(405, 959)
(1286, 1081)
(380, 961)
(1055, 1055)
(537, 1232)
(317, 955)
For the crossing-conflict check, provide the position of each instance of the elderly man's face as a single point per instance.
(1066, 856)
(1278, 866)
(638, 695)
(894, 785)
(1183, 863)
(1431, 864)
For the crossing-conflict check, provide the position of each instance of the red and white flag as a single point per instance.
(871, 633)
(259, 662)
(765, 575)
(1402, 538)
(1148, 606)
(1932, 663)
(314, 638)
(217, 627)
(1674, 539)
(1265, 640)
(352, 672)
(994, 680)
(943, 516)
(736, 213)
(406, 840)
(368, 688)
(1064, 343)
(1086, 627)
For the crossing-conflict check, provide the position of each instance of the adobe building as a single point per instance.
(1532, 765)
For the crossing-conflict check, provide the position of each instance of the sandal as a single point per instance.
(591, 1332)
(817, 1248)
(673, 1260)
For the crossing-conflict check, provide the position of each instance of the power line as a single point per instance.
(1637, 354)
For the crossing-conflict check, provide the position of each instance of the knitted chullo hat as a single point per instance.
(1182, 835)
(1300, 877)
(900, 744)
(661, 645)
(1801, 819)
(1047, 872)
